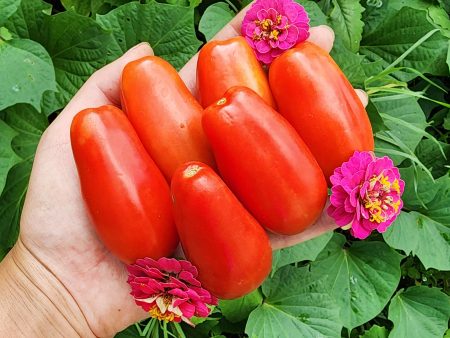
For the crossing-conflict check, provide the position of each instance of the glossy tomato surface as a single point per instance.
(164, 113)
(227, 245)
(314, 95)
(224, 64)
(264, 162)
(126, 195)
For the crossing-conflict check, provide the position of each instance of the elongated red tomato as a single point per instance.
(314, 95)
(164, 113)
(126, 195)
(264, 162)
(224, 64)
(230, 249)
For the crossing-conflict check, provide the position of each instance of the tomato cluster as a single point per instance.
(234, 168)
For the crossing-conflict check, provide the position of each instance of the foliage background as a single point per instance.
(393, 285)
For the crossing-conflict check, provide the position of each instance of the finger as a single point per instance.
(362, 96)
(103, 86)
(324, 224)
(322, 36)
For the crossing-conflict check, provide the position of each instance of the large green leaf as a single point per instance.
(420, 189)
(419, 312)
(29, 125)
(375, 332)
(408, 111)
(7, 8)
(303, 251)
(238, 309)
(296, 306)
(420, 235)
(8, 157)
(168, 28)
(32, 73)
(361, 278)
(27, 21)
(346, 21)
(316, 16)
(397, 33)
(214, 19)
(83, 7)
(349, 62)
(439, 208)
(431, 156)
(78, 47)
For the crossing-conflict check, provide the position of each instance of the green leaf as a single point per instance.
(301, 252)
(418, 234)
(447, 334)
(406, 109)
(316, 16)
(419, 187)
(346, 21)
(83, 7)
(129, 332)
(5, 34)
(7, 8)
(238, 309)
(419, 312)
(397, 33)
(29, 125)
(361, 278)
(430, 155)
(168, 28)
(296, 306)
(375, 118)
(26, 23)
(375, 332)
(8, 157)
(78, 47)
(33, 73)
(439, 208)
(214, 19)
(349, 62)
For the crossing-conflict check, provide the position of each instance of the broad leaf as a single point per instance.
(420, 189)
(238, 309)
(301, 252)
(419, 312)
(361, 278)
(375, 332)
(439, 208)
(78, 47)
(29, 126)
(168, 28)
(8, 157)
(349, 62)
(7, 8)
(83, 7)
(214, 19)
(346, 21)
(430, 155)
(397, 34)
(316, 16)
(409, 111)
(296, 306)
(423, 237)
(33, 73)
(27, 22)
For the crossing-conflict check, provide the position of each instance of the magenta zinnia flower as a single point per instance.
(366, 194)
(168, 289)
(273, 26)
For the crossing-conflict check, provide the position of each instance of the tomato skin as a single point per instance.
(164, 113)
(126, 195)
(264, 162)
(227, 245)
(314, 95)
(224, 64)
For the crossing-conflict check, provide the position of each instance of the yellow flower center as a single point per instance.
(376, 202)
(168, 316)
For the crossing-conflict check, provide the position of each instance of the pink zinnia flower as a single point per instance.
(168, 289)
(273, 26)
(366, 194)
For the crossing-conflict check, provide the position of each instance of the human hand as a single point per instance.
(57, 238)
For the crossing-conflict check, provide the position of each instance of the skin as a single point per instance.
(59, 280)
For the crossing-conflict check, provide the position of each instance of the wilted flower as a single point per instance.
(168, 289)
(366, 194)
(273, 26)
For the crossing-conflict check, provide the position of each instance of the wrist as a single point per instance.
(33, 302)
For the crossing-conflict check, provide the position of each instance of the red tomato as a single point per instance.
(224, 64)
(230, 249)
(164, 113)
(125, 193)
(314, 95)
(264, 162)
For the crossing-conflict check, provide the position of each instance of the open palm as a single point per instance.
(55, 226)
